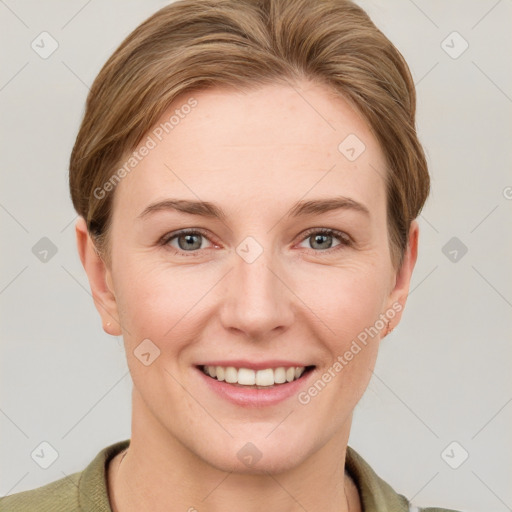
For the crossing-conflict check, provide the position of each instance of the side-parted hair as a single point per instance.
(193, 45)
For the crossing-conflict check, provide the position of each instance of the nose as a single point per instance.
(258, 302)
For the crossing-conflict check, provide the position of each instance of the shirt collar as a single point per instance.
(375, 494)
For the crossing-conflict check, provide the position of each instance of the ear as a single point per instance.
(400, 290)
(100, 279)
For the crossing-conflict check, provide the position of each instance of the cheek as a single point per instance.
(349, 314)
(346, 299)
(159, 302)
(154, 297)
(347, 309)
(156, 309)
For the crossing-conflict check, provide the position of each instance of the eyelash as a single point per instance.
(344, 239)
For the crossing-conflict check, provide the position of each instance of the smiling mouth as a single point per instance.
(259, 379)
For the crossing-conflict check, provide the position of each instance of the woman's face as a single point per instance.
(260, 285)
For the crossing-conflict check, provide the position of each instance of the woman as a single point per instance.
(247, 176)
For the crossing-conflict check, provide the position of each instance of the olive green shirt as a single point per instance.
(86, 491)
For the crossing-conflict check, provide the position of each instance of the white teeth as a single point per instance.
(280, 375)
(265, 377)
(231, 374)
(248, 377)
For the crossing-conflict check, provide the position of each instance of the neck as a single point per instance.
(157, 471)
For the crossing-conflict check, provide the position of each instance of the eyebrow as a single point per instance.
(301, 208)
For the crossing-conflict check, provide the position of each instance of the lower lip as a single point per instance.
(256, 397)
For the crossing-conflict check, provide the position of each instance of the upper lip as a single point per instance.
(254, 365)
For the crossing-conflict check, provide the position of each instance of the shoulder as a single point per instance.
(58, 496)
(375, 493)
(84, 491)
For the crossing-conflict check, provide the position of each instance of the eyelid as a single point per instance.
(165, 239)
(344, 238)
(331, 231)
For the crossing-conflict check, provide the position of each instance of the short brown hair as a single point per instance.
(199, 44)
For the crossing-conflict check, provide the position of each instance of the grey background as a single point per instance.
(443, 375)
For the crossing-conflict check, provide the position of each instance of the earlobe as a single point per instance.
(400, 291)
(100, 279)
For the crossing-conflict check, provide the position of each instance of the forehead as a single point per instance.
(280, 140)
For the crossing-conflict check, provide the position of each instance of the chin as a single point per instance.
(255, 455)
(275, 463)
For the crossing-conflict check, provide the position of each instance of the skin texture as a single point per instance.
(254, 155)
